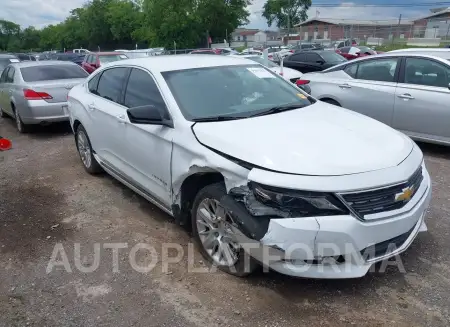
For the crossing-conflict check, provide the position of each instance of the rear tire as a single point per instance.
(213, 247)
(85, 151)
(331, 101)
(21, 127)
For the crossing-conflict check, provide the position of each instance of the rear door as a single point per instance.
(296, 61)
(371, 90)
(422, 102)
(3, 88)
(8, 91)
(105, 106)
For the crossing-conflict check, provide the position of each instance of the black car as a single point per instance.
(313, 60)
(73, 57)
(26, 57)
(307, 46)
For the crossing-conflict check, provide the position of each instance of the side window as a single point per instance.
(298, 57)
(312, 57)
(382, 70)
(142, 90)
(93, 59)
(4, 75)
(426, 72)
(86, 59)
(110, 84)
(351, 70)
(10, 77)
(345, 49)
(33, 58)
(93, 83)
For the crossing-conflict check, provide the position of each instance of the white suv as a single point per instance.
(255, 166)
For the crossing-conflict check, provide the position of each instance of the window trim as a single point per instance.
(14, 74)
(396, 74)
(401, 79)
(166, 107)
(5, 73)
(122, 90)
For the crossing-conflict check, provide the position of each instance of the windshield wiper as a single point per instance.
(216, 118)
(278, 109)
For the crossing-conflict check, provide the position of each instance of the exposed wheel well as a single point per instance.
(331, 101)
(76, 123)
(189, 189)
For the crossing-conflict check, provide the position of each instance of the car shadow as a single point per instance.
(50, 131)
(435, 150)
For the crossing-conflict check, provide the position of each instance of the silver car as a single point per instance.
(407, 91)
(36, 92)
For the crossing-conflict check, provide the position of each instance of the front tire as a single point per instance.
(213, 235)
(85, 151)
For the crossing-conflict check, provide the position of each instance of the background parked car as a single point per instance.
(313, 60)
(6, 59)
(307, 46)
(354, 52)
(92, 61)
(73, 57)
(205, 51)
(35, 92)
(26, 57)
(407, 91)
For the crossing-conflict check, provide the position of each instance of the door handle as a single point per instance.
(121, 119)
(92, 107)
(406, 96)
(345, 86)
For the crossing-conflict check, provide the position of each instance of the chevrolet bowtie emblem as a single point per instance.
(405, 195)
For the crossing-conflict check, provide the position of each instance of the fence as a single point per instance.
(431, 32)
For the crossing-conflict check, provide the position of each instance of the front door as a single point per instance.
(149, 147)
(422, 102)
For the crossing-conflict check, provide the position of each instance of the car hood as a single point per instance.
(320, 140)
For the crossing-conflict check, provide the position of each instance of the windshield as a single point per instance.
(331, 56)
(52, 72)
(104, 59)
(260, 60)
(232, 91)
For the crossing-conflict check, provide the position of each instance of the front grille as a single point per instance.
(381, 200)
(385, 247)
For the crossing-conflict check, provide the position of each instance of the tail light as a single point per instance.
(291, 51)
(301, 82)
(33, 95)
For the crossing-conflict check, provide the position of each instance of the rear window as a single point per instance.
(104, 59)
(50, 73)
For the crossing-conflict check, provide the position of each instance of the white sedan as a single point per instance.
(261, 172)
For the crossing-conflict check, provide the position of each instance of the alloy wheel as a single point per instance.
(215, 234)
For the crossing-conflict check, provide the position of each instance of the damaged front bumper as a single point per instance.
(340, 246)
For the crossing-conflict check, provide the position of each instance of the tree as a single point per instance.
(278, 11)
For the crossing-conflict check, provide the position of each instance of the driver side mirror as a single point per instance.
(148, 115)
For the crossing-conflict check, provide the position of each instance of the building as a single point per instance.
(434, 25)
(336, 29)
(249, 35)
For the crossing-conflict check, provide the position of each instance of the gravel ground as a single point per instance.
(46, 198)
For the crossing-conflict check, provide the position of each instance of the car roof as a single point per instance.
(421, 50)
(180, 62)
(7, 55)
(388, 55)
(24, 64)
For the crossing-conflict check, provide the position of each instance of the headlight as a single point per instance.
(299, 203)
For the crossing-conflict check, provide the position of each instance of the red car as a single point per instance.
(354, 52)
(92, 60)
